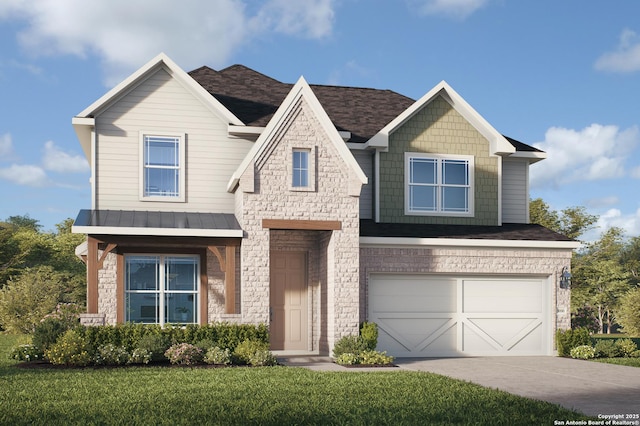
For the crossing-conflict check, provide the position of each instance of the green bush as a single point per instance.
(218, 356)
(247, 349)
(349, 345)
(71, 349)
(583, 352)
(184, 354)
(606, 348)
(369, 335)
(48, 331)
(347, 358)
(375, 358)
(140, 356)
(262, 358)
(27, 353)
(155, 344)
(111, 354)
(626, 347)
(628, 314)
(569, 339)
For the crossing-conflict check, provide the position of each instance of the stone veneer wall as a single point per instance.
(267, 195)
(438, 129)
(107, 285)
(459, 261)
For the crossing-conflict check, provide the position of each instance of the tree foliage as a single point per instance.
(600, 279)
(25, 300)
(628, 314)
(25, 248)
(572, 221)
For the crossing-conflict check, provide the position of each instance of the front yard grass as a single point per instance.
(630, 362)
(264, 395)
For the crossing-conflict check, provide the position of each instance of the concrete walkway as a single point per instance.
(592, 388)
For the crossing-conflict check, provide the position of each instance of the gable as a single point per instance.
(286, 113)
(439, 128)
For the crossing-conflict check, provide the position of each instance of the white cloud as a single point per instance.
(127, 33)
(27, 175)
(459, 9)
(59, 161)
(6, 146)
(309, 18)
(593, 153)
(626, 57)
(603, 201)
(630, 223)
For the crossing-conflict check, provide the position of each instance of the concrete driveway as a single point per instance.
(592, 388)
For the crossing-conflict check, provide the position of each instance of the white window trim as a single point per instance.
(161, 287)
(182, 186)
(311, 178)
(407, 208)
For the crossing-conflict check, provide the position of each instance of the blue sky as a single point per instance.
(561, 75)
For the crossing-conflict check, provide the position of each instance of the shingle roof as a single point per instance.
(254, 97)
(508, 231)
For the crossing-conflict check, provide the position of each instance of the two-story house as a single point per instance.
(231, 196)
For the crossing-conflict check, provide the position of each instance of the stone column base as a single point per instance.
(92, 319)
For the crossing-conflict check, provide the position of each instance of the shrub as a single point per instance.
(375, 358)
(606, 348)
(349, 344)
(628, 314)
(68, 313)
(48, 331)
(569, 339)
(71, 349)
(26, 299)
(155, 344)
(27, 353)
(184, 354)
(369, 335)
(247, 349)
(626, 347)
(140, 356)
(583, 352)
(585, 316)
(111, 354)
(205, 344)
(347, 358)
(262, 358)
(218, 356)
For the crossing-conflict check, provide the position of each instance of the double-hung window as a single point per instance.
(300, 178)
(162, 170)
(439, 184)
(161, 289)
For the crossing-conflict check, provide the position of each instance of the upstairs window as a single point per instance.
(162, 167)
(300, 178)
(439, 185)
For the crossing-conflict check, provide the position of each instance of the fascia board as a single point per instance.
(83, 126)
(464, 242)
(170, 232)
(300, 89)
(175, 71)
(533, 156)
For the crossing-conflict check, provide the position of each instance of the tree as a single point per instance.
(628, 314)
(572, 221)
(599, 279)
(25, 300)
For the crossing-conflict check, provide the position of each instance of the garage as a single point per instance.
(429, 315)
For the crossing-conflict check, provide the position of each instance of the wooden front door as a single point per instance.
(288, 301)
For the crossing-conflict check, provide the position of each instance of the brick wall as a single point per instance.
(269, 195)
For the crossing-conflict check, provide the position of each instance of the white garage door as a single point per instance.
(445, 316)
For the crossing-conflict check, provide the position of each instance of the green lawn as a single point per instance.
(631, 362)
(267, 395)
